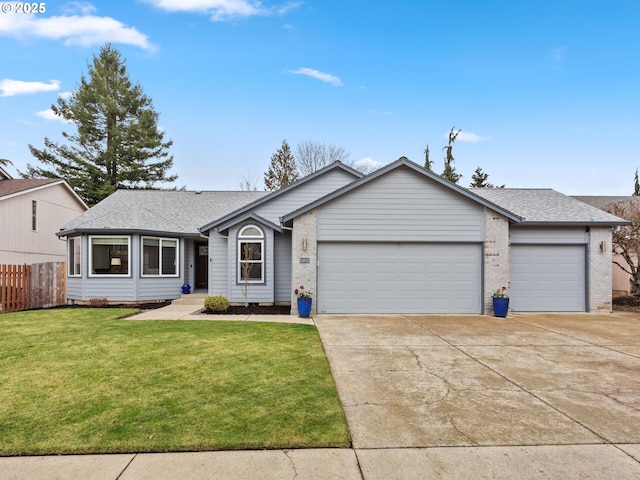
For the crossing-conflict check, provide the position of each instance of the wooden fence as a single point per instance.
(40, 285)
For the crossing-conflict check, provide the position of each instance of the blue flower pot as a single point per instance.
(304, 307)
(500, 307)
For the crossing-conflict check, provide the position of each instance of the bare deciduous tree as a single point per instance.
(245, 267)
(626, 240)
(312, 156)
(248, 183)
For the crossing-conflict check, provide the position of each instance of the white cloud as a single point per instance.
(9, 88)
(471, 137)
(78, 7)
(221, 10)
(83, 30)
(325, 77)
(49, 115)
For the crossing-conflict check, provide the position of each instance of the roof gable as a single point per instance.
(402, 162)
(18, 186)
(260, 205)
(21, 186)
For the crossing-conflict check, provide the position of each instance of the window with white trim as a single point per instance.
(109, 255)
(250, 255)
(74, 246)
(34, 215)
(159, 256)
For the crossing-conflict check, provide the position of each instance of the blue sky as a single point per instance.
(547, 93)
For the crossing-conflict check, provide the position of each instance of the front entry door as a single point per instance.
(202, 264)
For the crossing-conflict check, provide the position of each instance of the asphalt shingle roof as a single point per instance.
(16, 185)
(603, 202)
(546, 206)
(176, 211)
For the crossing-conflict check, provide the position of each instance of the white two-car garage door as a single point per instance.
(399, 278)
(548, 278)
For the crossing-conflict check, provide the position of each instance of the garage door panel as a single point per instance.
(399, 278)
(548, 278)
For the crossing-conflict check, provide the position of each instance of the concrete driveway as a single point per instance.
(550, 393)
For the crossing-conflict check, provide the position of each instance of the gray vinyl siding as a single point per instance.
(303, 195)
(282, 265)
(548, 235)
(218, 268)
(162, 288)
(401, 207)
(257, 292)
(74, 288)
(130, 288)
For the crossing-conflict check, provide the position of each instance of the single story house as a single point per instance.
(31, 212)
(399, 240)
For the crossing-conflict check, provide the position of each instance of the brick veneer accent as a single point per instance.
(304, 226)
(600, 269)
(496, 255)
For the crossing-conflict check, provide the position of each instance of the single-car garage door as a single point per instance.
(399, 278)
(548, 278)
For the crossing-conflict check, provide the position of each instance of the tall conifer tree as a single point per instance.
(282, 169)
(449, 170)
(117, 143)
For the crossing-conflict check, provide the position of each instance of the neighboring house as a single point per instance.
(400, 240)
(622, 283)
(31, 212)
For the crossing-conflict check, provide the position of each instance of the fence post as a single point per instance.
(15, 286)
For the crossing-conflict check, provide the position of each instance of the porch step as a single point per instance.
(190, 299)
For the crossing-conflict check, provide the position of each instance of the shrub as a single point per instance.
(217, 303)
(98, 302)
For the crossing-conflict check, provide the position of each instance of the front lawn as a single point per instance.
(85, 381)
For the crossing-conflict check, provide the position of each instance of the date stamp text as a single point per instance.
(23, 7)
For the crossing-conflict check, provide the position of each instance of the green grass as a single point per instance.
(86, 381)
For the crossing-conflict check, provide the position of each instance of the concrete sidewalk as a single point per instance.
(610, 462)
(192, 312)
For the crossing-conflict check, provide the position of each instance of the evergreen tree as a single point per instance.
(636, 187)
(427, 162)
(479, 179)
(449, 170)
(282, 170)
(117, 143)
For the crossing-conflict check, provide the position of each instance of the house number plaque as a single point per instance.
(304, 260)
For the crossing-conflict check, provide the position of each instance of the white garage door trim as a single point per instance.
(548, 278)
(399, 277)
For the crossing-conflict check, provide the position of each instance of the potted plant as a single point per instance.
(304, 301)
(500, 302)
